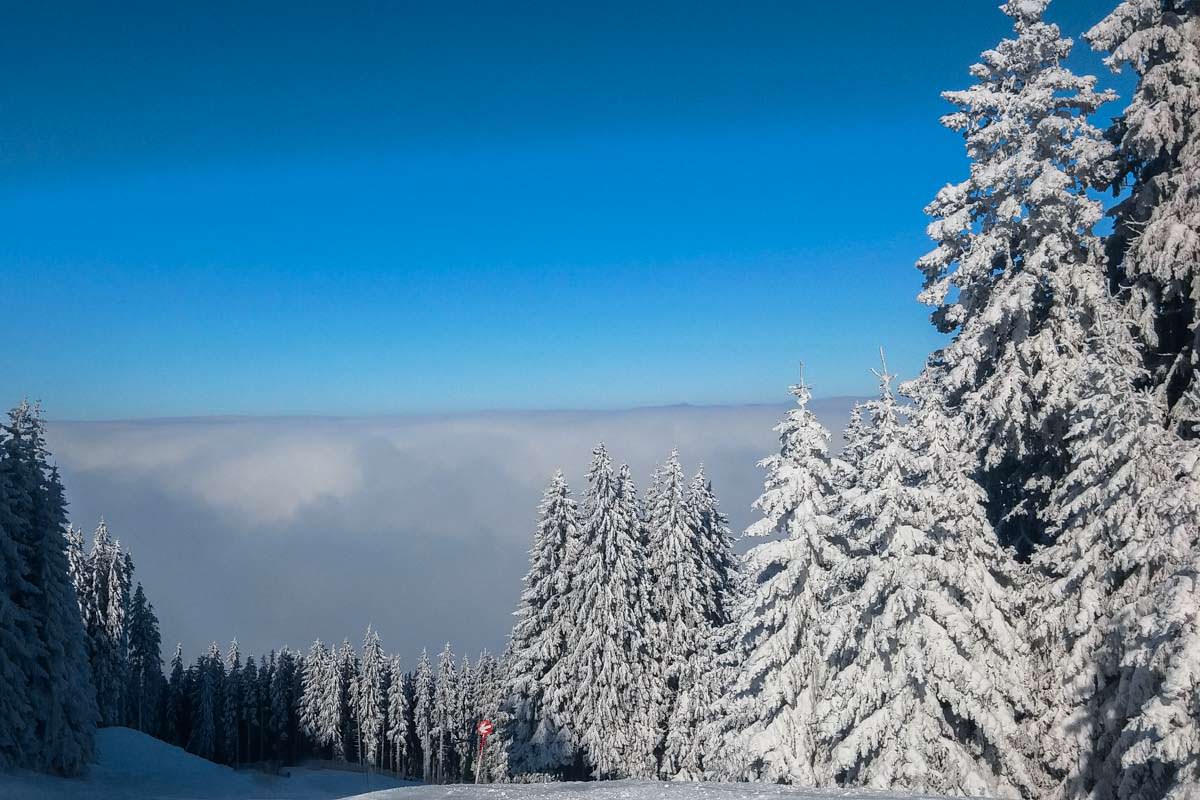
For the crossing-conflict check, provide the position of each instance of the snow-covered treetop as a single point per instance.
(799, 476)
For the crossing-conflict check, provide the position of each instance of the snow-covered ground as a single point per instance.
(627, 790)
(133, 766)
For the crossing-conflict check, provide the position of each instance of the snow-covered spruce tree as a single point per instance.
(347, 668)
(79, 568)
(1127, 521)
(423, 714)
(536, 742)
(145, 665)
(284, 724)
(466, 737)
(320, 710)
(398, 716)
(370, 697)
(772, 696)
(689, 752)
(174, 712)
(104, 616)
(1155, 246)
(925, 690)
(720, 568)
(679, 592)
(446, 724)
(231, 729)
(605, 689)
(45, 660)
(16, 628)
(1008, 238)
(205, 703)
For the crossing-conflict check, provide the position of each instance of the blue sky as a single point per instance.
(364, 208)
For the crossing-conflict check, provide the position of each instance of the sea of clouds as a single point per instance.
(280, 530)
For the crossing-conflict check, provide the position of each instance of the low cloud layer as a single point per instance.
(278, 531)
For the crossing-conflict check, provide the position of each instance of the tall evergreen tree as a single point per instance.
(446, 724)
(1008, 240)
(207, 698)
(371, 698)
(606, 690)
(1154, 249)
(536, 740)
(145, 664)
(109, 574)
(397, 715)
(679, 599)
(926, 690)
(231, 731)
(48, 712)
(1127, 523)
(774, 694)
(424, 722)
(175, 717)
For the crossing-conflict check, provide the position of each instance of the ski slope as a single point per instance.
(134, 766)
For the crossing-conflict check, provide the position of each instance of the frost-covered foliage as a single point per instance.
(694, 746)
(1155, 247)
(927, 687)
(398, 711)
(144, 673)
(792, 576)
(682, 596)
(1008, 239)
(607, 691)
(369, 707)
(47, 701)
(424, 721)
(537, 742)
(1128, 516)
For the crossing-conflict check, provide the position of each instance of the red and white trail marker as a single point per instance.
(485, 728)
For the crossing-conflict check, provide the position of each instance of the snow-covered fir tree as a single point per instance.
(774, 692)
(47, 701)
(695, 747)
(536, 740)
(231, 729)
(145, 665)
(203, 740)
(926, 688)
(370, 697)
(447, 725)
(346, 667)
(1127, 523)
(174, 718)
(677, 591)
(320, 710)
(1155, 247)
(605, 688)
(424, 714)
(283, 724)
(397, 715)
(108, 575)
(1008, 239)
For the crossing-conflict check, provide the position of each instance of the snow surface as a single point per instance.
(133, 765)
(628, 790)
